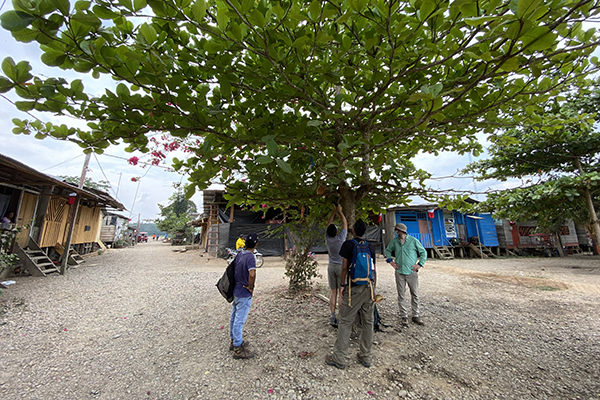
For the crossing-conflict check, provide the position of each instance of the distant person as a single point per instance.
(7, 219)
(409, 258)
(240, 243)
(359, 278)
(245, 277)
(154, 236)
(334, 241)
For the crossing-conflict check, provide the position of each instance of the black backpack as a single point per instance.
(227, 282)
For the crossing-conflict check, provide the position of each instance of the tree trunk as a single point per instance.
(559, 245)
(595, 224)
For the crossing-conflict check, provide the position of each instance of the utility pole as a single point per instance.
(73, 217)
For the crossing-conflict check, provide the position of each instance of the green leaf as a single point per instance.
(9, 68)
(16, 20)
(53, 59)
(104, 13)
(199, 10)
(139, 4)
(314, 122)
(148, 32)
(272, 147)
(526, 7)
(512, 64)
(5, 85)
(539, 38)
(62, 5)
(25, 105)
(264, 160)
(284, 166)
(427, 7)
(82, 5)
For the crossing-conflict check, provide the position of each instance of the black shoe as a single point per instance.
(329, 361)
(363, 362)
(405, 322)
(417, 321)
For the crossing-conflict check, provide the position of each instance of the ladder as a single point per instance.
(484, 253)
(212, 243)
(443, 252)
(74, 257)
(35, 260)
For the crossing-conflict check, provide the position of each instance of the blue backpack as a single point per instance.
(361, 271)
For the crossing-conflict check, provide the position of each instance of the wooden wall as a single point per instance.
(57, 218)
(26, 213)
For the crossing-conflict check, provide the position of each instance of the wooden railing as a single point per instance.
(424, 238)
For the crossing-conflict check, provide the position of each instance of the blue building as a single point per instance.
(439, 227)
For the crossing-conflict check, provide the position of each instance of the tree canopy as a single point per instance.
(560, 168)
(176, 215)
(284, 100)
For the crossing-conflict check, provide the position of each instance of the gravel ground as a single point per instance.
(148, 323)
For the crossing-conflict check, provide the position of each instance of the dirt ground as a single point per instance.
(148, 323)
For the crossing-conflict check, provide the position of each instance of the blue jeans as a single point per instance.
(239, 315)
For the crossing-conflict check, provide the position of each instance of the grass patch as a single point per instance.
(548, 288)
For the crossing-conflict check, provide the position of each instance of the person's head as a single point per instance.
(251, 240)
(332, 230)
(360, 228)
(401, 230)
(242, 236)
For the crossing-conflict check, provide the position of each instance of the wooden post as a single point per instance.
(73, 218)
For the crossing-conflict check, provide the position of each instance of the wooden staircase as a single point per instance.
(74, 257)
(35, 260)
(484, 253)
(212, 243)
(443, 252)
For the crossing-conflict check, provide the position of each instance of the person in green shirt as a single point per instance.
(409, 258)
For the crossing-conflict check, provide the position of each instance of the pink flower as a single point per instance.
(371, 393)
(270, 391)
(222, 327)
(133, 160)
(264, 206)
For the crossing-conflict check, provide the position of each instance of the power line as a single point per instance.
(105, 177)
(63, 162)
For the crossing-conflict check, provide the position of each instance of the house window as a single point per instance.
(113, 221)
(421, 215)
(525, 230)
(408, 217)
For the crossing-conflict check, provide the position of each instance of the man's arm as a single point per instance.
(388, 254)
(344, 274)
(343, 217)
(330, 221)
(251, 280)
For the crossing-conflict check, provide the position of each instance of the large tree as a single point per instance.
(558, 160)
(175, 216)
(284, 100)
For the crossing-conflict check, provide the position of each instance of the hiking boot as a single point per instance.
(405, 322)
(231, 347)
(333, 321)
(360, 360)
(329, 361)
(242, 352)
(417, 321)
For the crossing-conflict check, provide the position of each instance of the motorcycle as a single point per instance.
(231, 253)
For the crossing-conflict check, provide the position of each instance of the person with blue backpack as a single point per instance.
(359, 277)
(407, 256)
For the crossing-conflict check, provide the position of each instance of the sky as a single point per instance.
(141, 198)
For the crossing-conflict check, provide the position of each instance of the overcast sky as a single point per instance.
(156, 186)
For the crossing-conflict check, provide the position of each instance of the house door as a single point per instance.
(25, 219)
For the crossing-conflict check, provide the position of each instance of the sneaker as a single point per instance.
(242, 352)
(329, 361)
(417, 321)
(360, 360)
(405, 322)
(333, 321)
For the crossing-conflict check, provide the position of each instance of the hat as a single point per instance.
(251, 240)
(401, 228)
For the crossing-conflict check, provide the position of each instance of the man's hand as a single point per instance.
(393, 264)
(250, 290)
(416, 267)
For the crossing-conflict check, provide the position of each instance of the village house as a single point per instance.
(42, 206)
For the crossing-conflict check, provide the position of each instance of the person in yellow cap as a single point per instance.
(240, 243)
(409, 257)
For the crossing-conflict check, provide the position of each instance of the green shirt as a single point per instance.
(406, 254)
